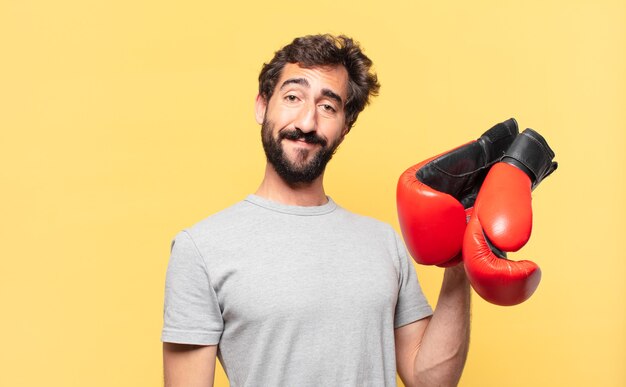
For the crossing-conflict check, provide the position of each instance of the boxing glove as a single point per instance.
(433, 197)
(502, 222)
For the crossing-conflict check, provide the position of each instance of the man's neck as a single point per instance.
(274, 188)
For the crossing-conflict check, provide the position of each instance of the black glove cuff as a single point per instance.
(461, 172)
(531, 153)
(498, 139)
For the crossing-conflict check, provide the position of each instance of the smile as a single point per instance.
(302, 142)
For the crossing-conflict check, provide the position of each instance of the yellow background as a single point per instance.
(123, 122)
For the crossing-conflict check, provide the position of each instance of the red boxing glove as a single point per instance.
(434, 195)
(502, 222)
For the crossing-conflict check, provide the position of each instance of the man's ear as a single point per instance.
(346, 130)
(260, 105)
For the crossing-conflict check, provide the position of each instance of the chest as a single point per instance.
(272, 281)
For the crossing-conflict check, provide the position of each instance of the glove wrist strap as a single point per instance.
(531, 153)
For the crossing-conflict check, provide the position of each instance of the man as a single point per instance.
(288, 288)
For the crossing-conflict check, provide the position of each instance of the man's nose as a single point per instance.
(307, 118)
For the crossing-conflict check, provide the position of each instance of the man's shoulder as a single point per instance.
(222, 220)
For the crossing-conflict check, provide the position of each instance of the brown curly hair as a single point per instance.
(326, 50)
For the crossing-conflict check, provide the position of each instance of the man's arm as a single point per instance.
(432, 351)
(187, 365)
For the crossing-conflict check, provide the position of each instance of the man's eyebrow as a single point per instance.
(304, 82)
(297, 81)
(332, 95)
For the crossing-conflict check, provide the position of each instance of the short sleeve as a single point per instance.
(411, 305)
(191, 312)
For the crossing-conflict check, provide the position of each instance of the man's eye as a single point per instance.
(328, 108)
(291, 98)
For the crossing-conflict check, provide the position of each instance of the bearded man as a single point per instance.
(286, 287)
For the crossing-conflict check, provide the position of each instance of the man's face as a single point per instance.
(303, 123)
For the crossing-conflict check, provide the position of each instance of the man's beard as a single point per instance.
(300, 170)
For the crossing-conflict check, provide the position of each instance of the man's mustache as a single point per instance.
(310, 137)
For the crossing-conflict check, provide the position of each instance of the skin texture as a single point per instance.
(433, 351)
(429, 352)
(189, 365)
